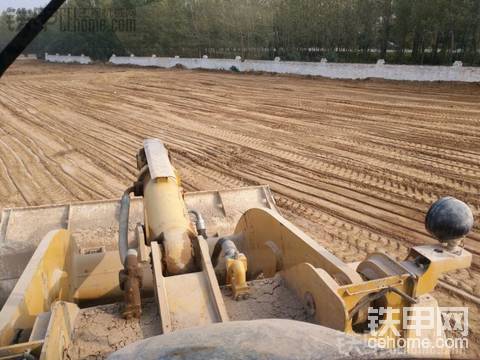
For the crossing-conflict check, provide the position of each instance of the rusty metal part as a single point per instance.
(182, 274)
(304, 266)
(131, 283)
(94, 230)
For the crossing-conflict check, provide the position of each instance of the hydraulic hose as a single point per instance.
(123, 225)
(236, 266)
(199, 223)
(229, 249)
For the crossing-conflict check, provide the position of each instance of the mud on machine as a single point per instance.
(182, 248)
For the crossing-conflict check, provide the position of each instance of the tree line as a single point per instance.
(399, 31)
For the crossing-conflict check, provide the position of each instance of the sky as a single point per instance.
(4, 4)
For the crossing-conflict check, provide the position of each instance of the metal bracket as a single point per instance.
(157, 158)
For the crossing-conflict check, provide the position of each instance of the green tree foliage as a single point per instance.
(400, 31)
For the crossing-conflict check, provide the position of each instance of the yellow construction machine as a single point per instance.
(202, 270)
(165, 274)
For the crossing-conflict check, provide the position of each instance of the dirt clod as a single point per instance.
(101, 330)
(348, 161)
(269, 298)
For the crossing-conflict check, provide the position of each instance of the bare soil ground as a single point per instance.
(356, 164)
(268, 299)
(101, 330)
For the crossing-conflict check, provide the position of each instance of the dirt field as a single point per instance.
(356, 164)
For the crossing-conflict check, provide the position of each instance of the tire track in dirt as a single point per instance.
(355, 164)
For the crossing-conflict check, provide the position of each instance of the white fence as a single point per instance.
(68, 59)
(28, 57)
(457, 72)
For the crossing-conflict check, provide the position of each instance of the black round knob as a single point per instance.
(449, 219)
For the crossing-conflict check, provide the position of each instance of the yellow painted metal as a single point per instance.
(434, 333)
(333, 291)
(201, 247)
(161, 289)
(166, 220)
(93, 227)
(95, 276)
(184, 280)
(352, 294)
(60, 329)
(237, 276)
(272, 243)
(16, 351)
(45, 280)
(440, 261)
(163, 202)
(188, 300)
(332, 304)
(389, 333)
(319, 292)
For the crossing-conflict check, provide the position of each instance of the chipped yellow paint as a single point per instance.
(44, 281)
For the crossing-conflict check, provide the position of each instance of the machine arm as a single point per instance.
(27, 35)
